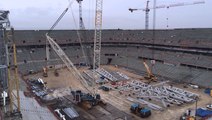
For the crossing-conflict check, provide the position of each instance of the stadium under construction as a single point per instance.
(105, 74)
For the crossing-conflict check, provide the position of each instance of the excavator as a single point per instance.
(150, 77)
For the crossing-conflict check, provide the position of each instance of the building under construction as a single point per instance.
(100, 74)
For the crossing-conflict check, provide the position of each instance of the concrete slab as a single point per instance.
(31, 110)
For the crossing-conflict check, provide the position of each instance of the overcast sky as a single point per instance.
(41, 14)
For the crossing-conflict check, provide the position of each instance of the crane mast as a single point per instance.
(147, 16)
(81, 23)
(147, 9)
(98, 34)
(82, 32)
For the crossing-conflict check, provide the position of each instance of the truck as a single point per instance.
(140, 111)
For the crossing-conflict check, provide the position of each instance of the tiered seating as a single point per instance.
(200, 38)
(28, 41)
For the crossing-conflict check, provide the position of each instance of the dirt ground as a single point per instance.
(66, 79)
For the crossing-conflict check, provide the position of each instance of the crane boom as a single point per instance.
(66, 60)
(147, 68)
(150, 75)
(168, 6)
(62, 54)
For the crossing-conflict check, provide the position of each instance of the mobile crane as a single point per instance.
(150, 76)
(79, 97)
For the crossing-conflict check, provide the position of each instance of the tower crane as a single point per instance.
(98, 34)
(146, 14)
(147, 9)
(83, 34)
(81, 23)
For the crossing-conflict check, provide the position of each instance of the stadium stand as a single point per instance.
(182, 55)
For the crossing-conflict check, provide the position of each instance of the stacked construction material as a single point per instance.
(166, 94)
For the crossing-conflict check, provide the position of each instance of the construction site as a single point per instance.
(106, 74)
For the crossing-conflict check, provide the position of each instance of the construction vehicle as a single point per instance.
(91, 98)
(141, 111)
(150, 75)
(105, 88)
(45, 74)
(87, 100)
(60, 114)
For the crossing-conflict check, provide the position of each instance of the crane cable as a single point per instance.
(58, 20)
(79, 38)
